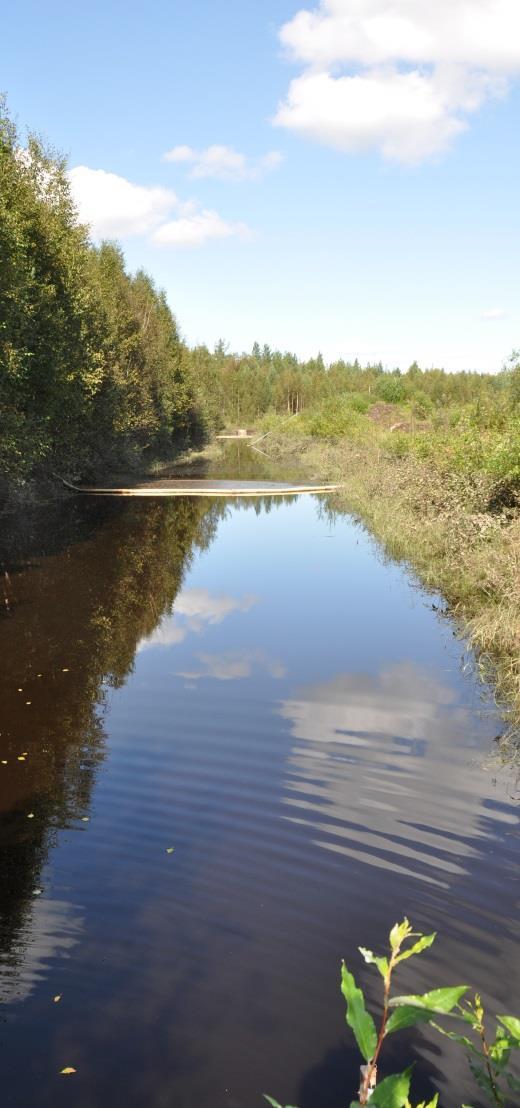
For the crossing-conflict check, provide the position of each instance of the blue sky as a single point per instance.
(384, 222)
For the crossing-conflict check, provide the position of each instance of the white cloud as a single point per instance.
(383, 766)
(403, 114)
(194, 611)
(481, 34)
(114, 207)
(200, 606)
(180, 154)
(494, 313)
(117, 208)
(415, 71)
(198, 228)
(233, 665)
(352, 707)
(224, 163)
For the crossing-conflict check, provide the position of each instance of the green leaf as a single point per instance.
(461, 1039)
(513, 1026)
(407, 1016)
(438, 1000)
(393, 1091)
(500, 1050)
(375, 960)
(399, 932)
(431, 1103)
(422, 944)
(357, 1016)
(274, 1103)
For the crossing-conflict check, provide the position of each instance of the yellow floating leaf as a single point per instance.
(85, 819)
(28, 701)
(170, 849)
(65, 670)
(68, 1069)
(30, 815)
(24, 753)
(20, 690)
(21, 758)
(4, 761)
(57, 998)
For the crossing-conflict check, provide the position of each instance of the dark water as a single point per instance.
(252, 685)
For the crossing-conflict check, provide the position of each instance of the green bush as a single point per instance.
(333, 419)
(391, 389)
(359, 402)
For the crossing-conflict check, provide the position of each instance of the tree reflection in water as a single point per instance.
(84, 583)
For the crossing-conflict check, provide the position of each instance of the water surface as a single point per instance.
(254, 686)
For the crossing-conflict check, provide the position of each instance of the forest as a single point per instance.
(95, 375)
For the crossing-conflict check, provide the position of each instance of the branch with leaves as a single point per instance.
(488, 1060)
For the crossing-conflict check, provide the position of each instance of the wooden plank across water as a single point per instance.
(203, 488)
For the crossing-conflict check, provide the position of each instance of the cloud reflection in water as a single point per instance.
(383, 771)
(194, 611)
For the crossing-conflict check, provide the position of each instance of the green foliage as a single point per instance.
(392, 1092)
(91, 365)
(93, 372)
(488, 1060)
(391, 389)
(357, 1016)
(333, 419)
(466, 422)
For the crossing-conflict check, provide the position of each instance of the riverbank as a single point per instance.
(20, 493)
(453, 530)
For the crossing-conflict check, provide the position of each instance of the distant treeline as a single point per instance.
(241, 388)
(93, 372)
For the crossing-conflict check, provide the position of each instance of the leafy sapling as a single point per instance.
(404, 943)
(488, 1060)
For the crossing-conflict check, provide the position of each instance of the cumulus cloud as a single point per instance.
(494, 313)
(197, 228)
(117, 208)
(223, 162)
(114, 207)
(402, 76)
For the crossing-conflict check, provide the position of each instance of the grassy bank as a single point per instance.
(458, 530)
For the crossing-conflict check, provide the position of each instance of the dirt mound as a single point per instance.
(384, 414)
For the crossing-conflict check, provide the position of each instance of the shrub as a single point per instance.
(391, 389)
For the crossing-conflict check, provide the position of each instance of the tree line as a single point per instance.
(91, 367)
(94, 374)
(241, 388)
